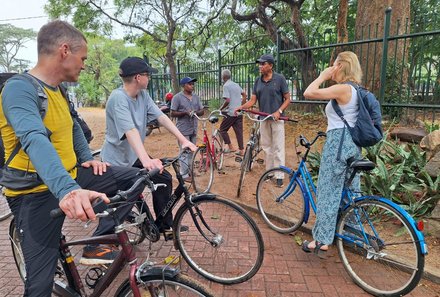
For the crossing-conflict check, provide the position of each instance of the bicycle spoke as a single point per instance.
(386, 246)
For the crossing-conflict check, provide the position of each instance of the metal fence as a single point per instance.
(401, 66)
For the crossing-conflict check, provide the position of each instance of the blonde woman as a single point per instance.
(338, 148)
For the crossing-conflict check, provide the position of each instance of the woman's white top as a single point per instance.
(350, 111)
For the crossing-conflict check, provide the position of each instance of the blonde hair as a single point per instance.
(351, 68)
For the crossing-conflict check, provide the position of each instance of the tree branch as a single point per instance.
(125, 24)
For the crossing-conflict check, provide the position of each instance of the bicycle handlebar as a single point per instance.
(216, 111)
(266, 115)
(100, 206)
(304, 142)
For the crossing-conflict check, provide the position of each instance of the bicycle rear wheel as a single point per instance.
(233, 249)
(389, 261)
(5, 211)
(245, 166)
(170, 286)
(283, 216)
(16, 250)
(202, 170)
(218, 150)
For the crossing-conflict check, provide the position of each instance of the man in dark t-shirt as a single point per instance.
(272, 94)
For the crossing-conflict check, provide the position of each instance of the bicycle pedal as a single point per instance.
(260, 161)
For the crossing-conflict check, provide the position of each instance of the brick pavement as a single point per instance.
(286, 271)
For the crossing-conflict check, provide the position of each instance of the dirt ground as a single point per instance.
(162, 144)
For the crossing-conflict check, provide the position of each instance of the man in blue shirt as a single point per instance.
(183, 105)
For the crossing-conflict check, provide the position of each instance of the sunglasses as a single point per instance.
(145, 74)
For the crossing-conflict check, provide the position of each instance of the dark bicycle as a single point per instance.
(253, 147)
(230, 247)
(144, 280)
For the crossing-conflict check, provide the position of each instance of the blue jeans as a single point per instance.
(186, 157)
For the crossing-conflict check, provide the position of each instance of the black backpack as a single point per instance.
(5, 77)
(367, 130)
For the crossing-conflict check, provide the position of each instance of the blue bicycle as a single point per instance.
(381, 247)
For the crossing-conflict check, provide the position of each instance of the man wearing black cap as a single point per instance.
(272, 93)
(128, 110)
(183, 106)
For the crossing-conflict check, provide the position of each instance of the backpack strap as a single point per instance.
(42, 106)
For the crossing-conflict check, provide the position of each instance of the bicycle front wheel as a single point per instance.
(228, 248)
(218, 150)
(245, 166)
(157, 286)
(5, 211)
(282, 215)
(379, 248)
(202, 170)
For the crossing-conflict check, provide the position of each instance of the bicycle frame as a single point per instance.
(308, 189)
(206, 142)
(180, 190)
(126, 256)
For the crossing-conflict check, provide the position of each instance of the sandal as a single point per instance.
(317, 250)
(239, 153)
(227, 151)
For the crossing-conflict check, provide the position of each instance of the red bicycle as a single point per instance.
(208, 156)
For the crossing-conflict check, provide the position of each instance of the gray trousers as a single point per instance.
(331, 178)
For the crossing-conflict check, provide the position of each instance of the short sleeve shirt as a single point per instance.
(270, 93)
(124, 113)
(232, 91)
(186, 125)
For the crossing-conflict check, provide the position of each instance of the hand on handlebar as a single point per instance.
(188, 145)
(191, 113)
(78, 204)
(152, 164)
(276, 115)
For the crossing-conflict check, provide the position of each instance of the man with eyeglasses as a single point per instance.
(128, 110)
(272, 94)
(184, 105)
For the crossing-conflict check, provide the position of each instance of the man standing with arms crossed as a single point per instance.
(272, 93)
(234, 96)
(62, 159)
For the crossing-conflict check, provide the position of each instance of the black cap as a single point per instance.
(134, 65)
(186, 80)
(266, 58)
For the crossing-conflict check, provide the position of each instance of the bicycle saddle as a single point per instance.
(213, 119)
(363, 165)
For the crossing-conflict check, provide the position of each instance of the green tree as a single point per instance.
(164, 21)
(101, 74)
(12, 39)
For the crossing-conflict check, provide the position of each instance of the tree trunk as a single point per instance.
(342, 31)
(370, 23)
(305, 58)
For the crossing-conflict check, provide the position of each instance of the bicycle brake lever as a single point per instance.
(98, 215)
(158, 186)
